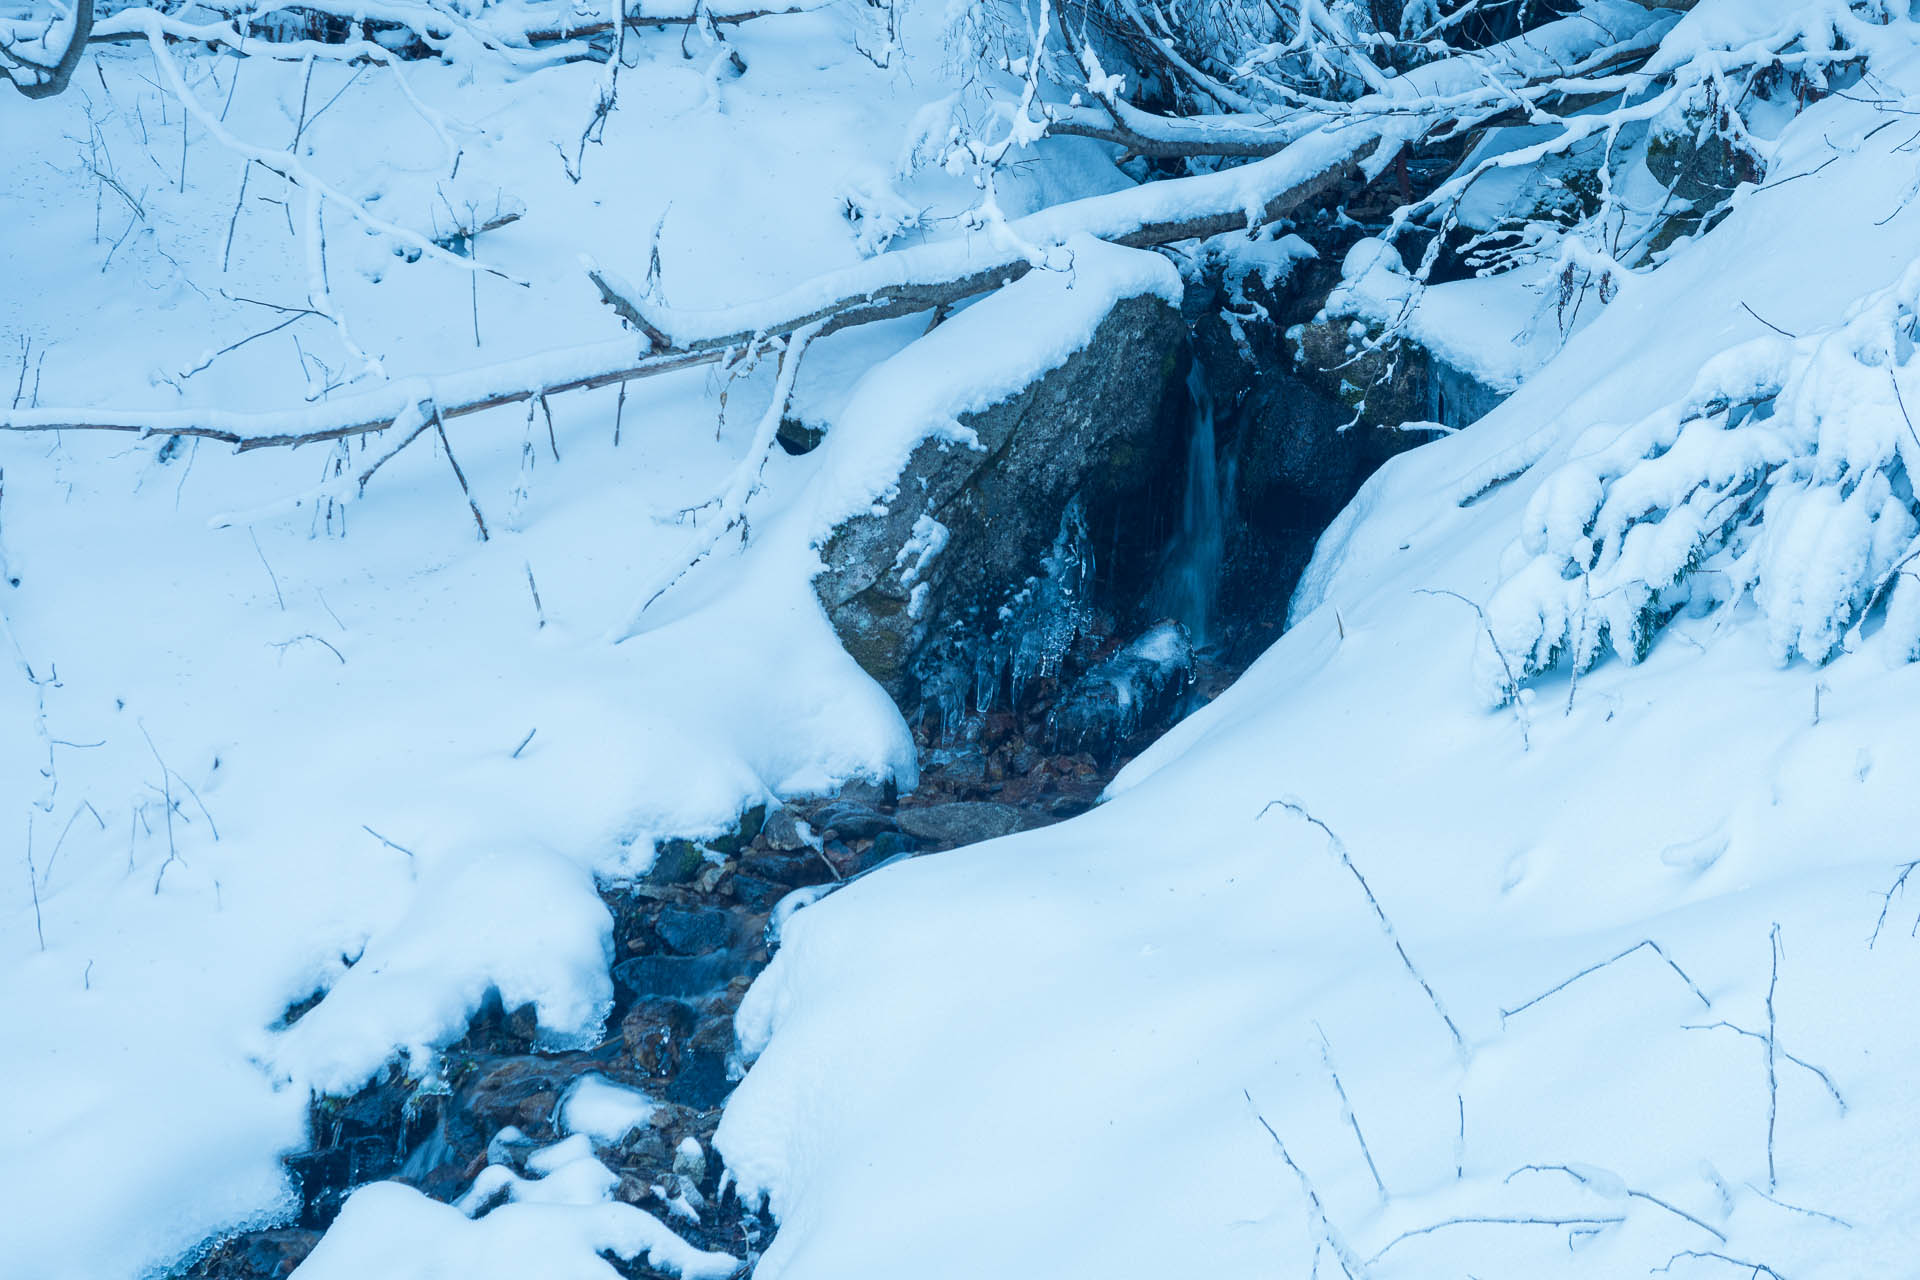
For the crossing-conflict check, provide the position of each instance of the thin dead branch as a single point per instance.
(1386, 926)
(1646, 943)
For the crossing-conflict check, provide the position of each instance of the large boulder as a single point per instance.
(980, 540)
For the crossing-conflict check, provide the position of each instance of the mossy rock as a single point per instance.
(676, 862)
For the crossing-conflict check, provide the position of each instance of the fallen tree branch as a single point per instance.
(691, 15)
(881, 288)
(36, 80)
(925, 277)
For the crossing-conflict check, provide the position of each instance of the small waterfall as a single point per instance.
(1192, 573)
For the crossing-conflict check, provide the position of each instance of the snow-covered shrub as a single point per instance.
(1785, 477)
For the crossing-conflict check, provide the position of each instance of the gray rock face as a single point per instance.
(1099, 436)
(1304, 418)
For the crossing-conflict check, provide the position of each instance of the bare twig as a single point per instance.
(1586, 1180)
(458, 474)
(271, 576)
(1460, 1139)
(166, 796)
(383, 840)
(83, 807)
(523, 743)
(1493, 1221)
(1323, 1228)
(1346, 1111)
(1512, 681)
(1773, 1052)
(742, 484)
(1763, 320)
(284, 645)
(33, 885)
(1386, 926)
(1754, 1269)
(1886, 899)
(1647, 943)
(1801, 1209)
(534, 587)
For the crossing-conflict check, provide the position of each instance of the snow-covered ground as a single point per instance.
(256, 741)
(1069, 1045)
(340, 697)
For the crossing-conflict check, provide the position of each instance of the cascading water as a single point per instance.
(1191, 576)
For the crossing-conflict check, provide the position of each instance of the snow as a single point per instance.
(390, 1230)
(340, 693)
(276, 737)
(604, 1111)
(1066, 1042)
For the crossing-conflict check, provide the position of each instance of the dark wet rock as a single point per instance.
(786, 831)
(694, 932)
(852, 821)
(794, 870)
(749, 825)
(973, 526)
(255, 1255)
(655, 1033)
(865, 791)
(965, 822)
(523, 1092)
(960, 766)
(665, 975)
(357, 1139)
(757, 893)
(1699, 150)
(300, 1009)
(797, 437)
(890, 844)
(702, 1083)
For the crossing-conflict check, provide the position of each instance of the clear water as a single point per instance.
(1190, 579)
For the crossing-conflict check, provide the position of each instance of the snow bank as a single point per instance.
(528, 925)
(1192, 1032)
(395, 1232)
